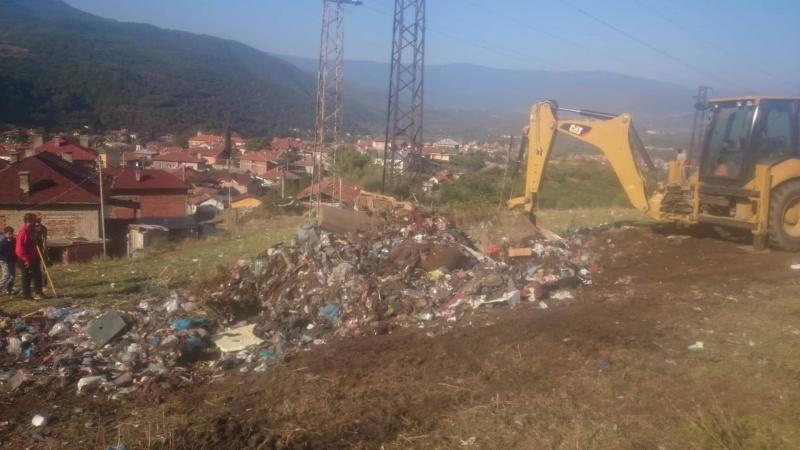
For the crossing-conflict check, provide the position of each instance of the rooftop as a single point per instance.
(334, 187)
(52, 180)
(60, 146)
(179, 157)
(149, 179)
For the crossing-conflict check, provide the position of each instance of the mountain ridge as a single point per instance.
(473, 87)
(77, 69)
(63, 68)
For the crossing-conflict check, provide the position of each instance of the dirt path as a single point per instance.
(610, 369)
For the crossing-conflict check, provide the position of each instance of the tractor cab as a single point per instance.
(749, 172)
(747, 132)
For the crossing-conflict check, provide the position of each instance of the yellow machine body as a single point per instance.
(704, 193)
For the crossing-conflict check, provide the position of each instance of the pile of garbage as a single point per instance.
(334, 279)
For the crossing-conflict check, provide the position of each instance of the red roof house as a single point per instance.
(283, 144)
(159, 193)
(276, 174)
(205, 140)
(178, 160)
(211, 140)
(332, 189)
(210, 155)
(69, 151)
(66, 195)
(260, 162)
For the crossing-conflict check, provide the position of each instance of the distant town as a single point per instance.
(118, 186)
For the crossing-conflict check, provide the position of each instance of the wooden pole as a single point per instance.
(47, 272)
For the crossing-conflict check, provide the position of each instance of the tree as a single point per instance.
(256, 144)
(471, 161)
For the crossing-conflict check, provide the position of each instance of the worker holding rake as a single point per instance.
(29, 258)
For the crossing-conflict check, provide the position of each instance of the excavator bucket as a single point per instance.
(525, 228)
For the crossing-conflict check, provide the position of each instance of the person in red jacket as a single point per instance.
(28, 259)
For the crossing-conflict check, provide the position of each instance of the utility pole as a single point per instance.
(406, 86)
(102, 206)
(228, 146)
(699, 124)
(330, 85)
(283, 175)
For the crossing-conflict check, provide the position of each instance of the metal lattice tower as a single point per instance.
(330, 83)
(699, 124)
(407, 79)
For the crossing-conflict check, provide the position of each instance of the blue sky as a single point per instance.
(730, 44)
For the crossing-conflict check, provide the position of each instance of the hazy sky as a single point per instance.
(731, 44)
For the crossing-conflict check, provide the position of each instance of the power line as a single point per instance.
(544, 32)
(713, 45)
(483, 45)
(652, 47)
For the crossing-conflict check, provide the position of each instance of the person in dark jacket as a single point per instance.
(8, 261)
(28, 258)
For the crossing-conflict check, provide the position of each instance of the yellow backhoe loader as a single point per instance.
(747, 176)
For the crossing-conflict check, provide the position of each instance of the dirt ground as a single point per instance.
(611, 368)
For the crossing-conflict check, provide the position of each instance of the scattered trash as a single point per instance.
(88, 383)
(237, 339)
(696, 346)
(562, 295)
(106, 328)
(14, 345)
(410, 269)
(469, 442)
(330, 312)
(520, 252)
(795, 267)
(18, 380)
(605, 358)
(39, 420)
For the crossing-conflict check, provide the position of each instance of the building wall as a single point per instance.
(112, 159)
(165, 165)
(198, 144)
(210, 160)
(257, 167)
(62, 222)
(163, 205)
(120, 212)
(234, 187)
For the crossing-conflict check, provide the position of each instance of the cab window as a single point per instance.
(726, 144)
(773, 137)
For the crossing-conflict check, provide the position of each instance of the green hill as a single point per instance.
(63, 68)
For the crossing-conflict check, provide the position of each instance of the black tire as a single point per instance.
(782, 197)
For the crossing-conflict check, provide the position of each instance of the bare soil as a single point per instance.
(611, 368)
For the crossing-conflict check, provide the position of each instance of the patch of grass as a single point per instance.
(175, 265)
(490, 223)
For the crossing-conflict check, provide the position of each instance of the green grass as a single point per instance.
(175, 265)
(488, 224)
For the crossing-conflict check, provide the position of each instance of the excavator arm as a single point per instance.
(613, 135)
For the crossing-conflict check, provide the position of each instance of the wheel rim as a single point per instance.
(791, 218)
